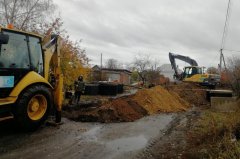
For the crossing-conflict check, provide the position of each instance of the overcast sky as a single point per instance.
(121, 29)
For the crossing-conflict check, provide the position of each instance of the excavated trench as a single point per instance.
(145, 102)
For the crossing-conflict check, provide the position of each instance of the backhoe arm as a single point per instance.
(53, 71)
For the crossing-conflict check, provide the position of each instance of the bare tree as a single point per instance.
(148, 70)
(25, 14)
(234, 73)
(153, 76)
(112, 63)
(141, 65)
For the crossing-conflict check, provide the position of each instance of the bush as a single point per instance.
(216, 135)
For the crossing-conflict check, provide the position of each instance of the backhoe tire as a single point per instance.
(32, 107)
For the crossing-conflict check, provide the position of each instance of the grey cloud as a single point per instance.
(121, 29)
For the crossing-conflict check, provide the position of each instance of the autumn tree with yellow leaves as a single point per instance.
(74, 61)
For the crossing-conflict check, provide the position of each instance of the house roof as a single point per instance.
(97, 68)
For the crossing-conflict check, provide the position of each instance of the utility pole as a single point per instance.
(101, 61)
(101, 68)
(222, 60)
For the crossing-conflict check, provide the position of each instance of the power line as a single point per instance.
(231, 50)
(225, 29)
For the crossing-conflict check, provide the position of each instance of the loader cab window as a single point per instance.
(14, 54)
(36, 55)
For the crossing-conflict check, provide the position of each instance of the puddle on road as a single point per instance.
(93, 131)
(90, 135)
(128, 143)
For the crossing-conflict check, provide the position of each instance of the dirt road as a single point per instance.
(84, 140)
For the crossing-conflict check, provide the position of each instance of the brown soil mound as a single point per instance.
(159, 99)
(122, 109)
(118, 110)
(130, 108)
(190, 92)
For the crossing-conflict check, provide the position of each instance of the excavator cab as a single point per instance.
(190, 71)
(25, 90)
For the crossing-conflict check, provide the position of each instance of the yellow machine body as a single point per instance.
(196, 74)
(51, 78)
(199, 78)
(29, 79)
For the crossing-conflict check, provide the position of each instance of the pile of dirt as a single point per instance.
(122, 109)
(117, 110)
(130, 108)
(190, 92)
(159, 99)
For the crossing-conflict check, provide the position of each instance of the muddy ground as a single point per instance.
(148, 135)
(174, 142)
(155, 136)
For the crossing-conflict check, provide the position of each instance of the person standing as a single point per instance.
(79, 88)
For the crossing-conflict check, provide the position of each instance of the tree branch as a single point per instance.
(27, 17)
(6, 11)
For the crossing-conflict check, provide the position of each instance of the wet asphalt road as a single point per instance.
(83, 140)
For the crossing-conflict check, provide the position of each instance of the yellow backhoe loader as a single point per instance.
(30, 77)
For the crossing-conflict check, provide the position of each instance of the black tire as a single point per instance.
(21, 110)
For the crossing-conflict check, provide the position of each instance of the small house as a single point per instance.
(122, 76)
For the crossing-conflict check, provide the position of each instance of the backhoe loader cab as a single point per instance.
(25, 91)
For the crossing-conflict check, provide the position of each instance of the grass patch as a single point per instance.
(216, 135)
